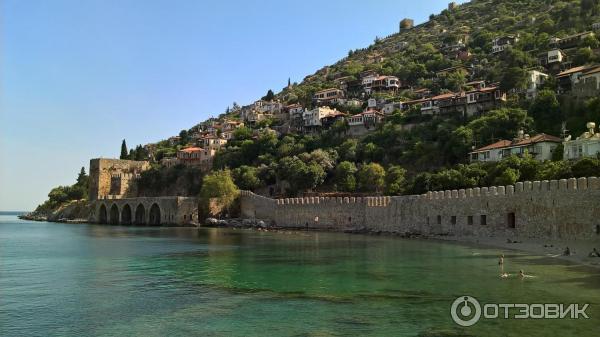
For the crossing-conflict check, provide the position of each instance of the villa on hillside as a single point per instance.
(364, 122)
(192, 156)
(587, 84)
(582, 82)
(312, 118)
(328, 96)
(586, 145)
(552, 60)
(540, 147)
(571, 41)
(500, 44)
(535, 79)
(385, 83)
(470, 103)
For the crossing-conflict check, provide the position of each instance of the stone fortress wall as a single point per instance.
(539, 209)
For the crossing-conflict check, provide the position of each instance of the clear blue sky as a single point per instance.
(77, 76)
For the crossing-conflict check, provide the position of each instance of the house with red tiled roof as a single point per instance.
(540, 147)
(567, 78)
(588, 83)
(385, 83)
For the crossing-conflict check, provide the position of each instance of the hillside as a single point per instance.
(481, 94)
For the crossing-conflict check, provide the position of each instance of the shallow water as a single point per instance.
(89, 280)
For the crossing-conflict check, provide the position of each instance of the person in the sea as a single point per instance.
(521, 274)
(504, 275)
(567, 252)
(501, 259)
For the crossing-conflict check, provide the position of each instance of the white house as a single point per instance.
(500, 44)
(540, 147)
(586, 145)
(312, 118)
(367, 81)
(389, 108)
(535, 79)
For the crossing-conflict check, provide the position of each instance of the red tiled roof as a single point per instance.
(571, 71)
(326, 90)
(592, 70)
(444, 96)
(497, 145)
(542, 137)
(191, 149)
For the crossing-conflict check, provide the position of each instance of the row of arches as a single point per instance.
(126, 217)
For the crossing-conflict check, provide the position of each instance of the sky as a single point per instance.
(78, 76)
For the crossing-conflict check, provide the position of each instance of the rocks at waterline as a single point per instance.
(237, 223)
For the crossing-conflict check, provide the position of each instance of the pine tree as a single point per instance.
(82, 177)
(124, 151)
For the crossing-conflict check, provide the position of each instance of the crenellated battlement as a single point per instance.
(548, 208)
(572, 184)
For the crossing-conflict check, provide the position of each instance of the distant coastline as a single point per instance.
(13, 212)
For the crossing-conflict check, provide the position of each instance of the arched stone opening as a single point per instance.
(102, 214)
(154, 218)
(126, 215)
(140, 215)
(114, 215)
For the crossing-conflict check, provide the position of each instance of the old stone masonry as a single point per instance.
(114, 198)
(539, 209)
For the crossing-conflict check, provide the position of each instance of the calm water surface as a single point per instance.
(88, 280)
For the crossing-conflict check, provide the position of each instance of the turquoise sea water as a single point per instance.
(89, 280)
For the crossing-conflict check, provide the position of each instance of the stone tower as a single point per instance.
(114, 178)
(406, 24)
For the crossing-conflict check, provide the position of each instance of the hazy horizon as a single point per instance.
(77, 78)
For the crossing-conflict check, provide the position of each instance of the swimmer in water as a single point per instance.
(501, 259)
(504, 275)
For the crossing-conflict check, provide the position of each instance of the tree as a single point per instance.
(586, 167)
(371, 177)
(184, 137)
(246, 177)
(220, 186)
(558, 153)
(395, 180)
(82, 177)
(124, 152)
(546, 112)
(508, 177)
(501, 123)
(269, 96)
(513, 78)
(300, 175)
(344, 178)
(584, 55)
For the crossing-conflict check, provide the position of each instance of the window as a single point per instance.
(470, 220)
(597, 229)
(453, 220)
(483, 220)
(439, 219)
(511, 220)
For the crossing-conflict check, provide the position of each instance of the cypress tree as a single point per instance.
(124, 154)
